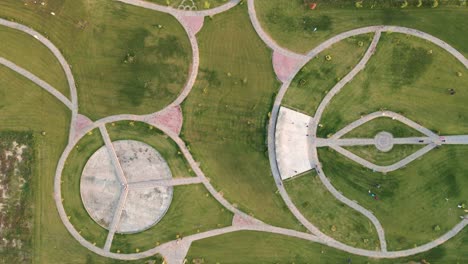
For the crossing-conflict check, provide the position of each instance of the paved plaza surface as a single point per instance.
(103, 192)
(127, 186)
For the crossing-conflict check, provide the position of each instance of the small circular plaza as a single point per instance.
(130, 198)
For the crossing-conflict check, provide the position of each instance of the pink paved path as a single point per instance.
(285, 65)
(170, 118)
(81, 123)
(194, 23)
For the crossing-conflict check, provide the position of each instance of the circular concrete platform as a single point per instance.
(101, 187)
(384, 141)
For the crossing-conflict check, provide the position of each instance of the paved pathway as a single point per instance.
(113, 155)
(179, 12)
(173, 251)
(171, 182)
(282, 92)
(116, 218)
(385, 114)
(266, 38)
(62, 61)
(176, 250)
(313, 130)
(431, 139)
(37, 81)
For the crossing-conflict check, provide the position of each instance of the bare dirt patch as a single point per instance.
(15, 197)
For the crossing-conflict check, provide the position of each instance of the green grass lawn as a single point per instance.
(127, 130)
(192, 210)
(403, 76)
(199, 4)
(225, 116)
(319, 76)
(328, 214)
(123, 62)
(71, 179)
(254, 247)
(28, 53)
(26, 107)
(381, 124)
(291, 24)
(372, 154)
(412, 200)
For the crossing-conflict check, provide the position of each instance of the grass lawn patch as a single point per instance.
(225, 116)
(372, 154)
(382, 124)
(421, 94)
(26, 107)
(71, 179)
(292, 24)
(120, 64)
(130, 130)
(192, 210)
(254, 247)
(30, 54)
(330, 215)
(416, 204)
(319, 75)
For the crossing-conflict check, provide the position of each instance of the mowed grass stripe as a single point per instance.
(193, 210)
(131, 130)
(291, 23)
(28, 53)
(125, 59)
(225, 116)
(392, 81)
(255, 247)
(71, 195)
(318, 76)
(332, 217)
(373, 127)
(412, 201)
(372, 154)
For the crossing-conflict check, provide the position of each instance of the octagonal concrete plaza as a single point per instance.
(103, 192)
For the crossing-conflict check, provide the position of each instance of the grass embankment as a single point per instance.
(319, 75)
(28, 53)
(372, 154)
(120, 64)
(225, 116)
(292, 25)
(328, 214)
(129, 130)
(409, 76)
(253, 247)
(71, 195)
(417, 203)
(382, 124)
(27, 107)
(192, 210)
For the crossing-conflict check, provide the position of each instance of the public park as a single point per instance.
(233, 131)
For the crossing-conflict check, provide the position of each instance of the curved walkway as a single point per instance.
(313, 131)
(265, 37)
(313, 154)
(432, 140)
(175, 251)
(37, 81)
(179, 12)
(62, 61)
